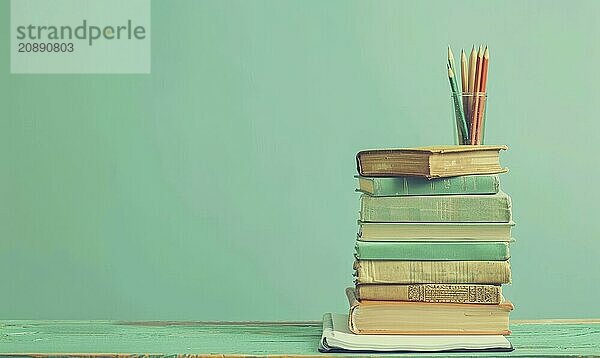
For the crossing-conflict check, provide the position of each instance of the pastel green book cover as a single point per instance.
(435, 251)
(398, 186)
(441, 208)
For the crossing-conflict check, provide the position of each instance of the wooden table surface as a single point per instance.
(93, 338)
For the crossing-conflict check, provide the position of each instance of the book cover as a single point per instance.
(486, 272)
(398, 317)
(431, 162)
(336, 337)
(431, 292)
(432, 251)
(399, 186)
(443, 208)
(476, 232)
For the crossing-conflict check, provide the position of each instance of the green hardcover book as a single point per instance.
(398, 186)
(405, 272)
(440, 208)
(432, 251)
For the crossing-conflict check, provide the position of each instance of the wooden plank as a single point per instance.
(110, 338)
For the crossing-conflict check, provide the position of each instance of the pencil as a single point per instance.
(472, 62)
(451, 60)
(476, 95)
(482, 89)
(461, 124)
(471, 84)
(464, 76)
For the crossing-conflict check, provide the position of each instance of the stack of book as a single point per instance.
(431, 254)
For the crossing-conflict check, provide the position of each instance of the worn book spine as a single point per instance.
(433, 293)
(442, 208)
(403, 272)
(397, 186)
(418, 318)
(432, 251)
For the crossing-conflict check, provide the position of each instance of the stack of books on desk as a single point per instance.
(431, 254)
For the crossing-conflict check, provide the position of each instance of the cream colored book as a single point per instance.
(337, 337)
(435, 231)
(403, 272)
(397, 317)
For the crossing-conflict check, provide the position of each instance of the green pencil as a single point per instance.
(461, 124)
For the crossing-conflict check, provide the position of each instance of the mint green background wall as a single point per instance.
(220, 186)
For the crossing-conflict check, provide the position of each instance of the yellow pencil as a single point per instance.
(451, 60)
(464, 76)
(471, 85)
(472, 62)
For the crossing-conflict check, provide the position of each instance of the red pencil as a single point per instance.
(482, 89)
(476, 94)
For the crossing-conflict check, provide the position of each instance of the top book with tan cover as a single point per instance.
(431, 162)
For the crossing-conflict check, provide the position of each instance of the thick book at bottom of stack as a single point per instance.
(417, 318)
(337, 337)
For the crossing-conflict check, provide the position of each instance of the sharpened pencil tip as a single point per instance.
(486, 54)
(450, 56)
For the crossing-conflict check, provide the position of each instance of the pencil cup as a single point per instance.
(469, 117)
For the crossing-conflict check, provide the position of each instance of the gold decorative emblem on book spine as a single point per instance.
(453, 293)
